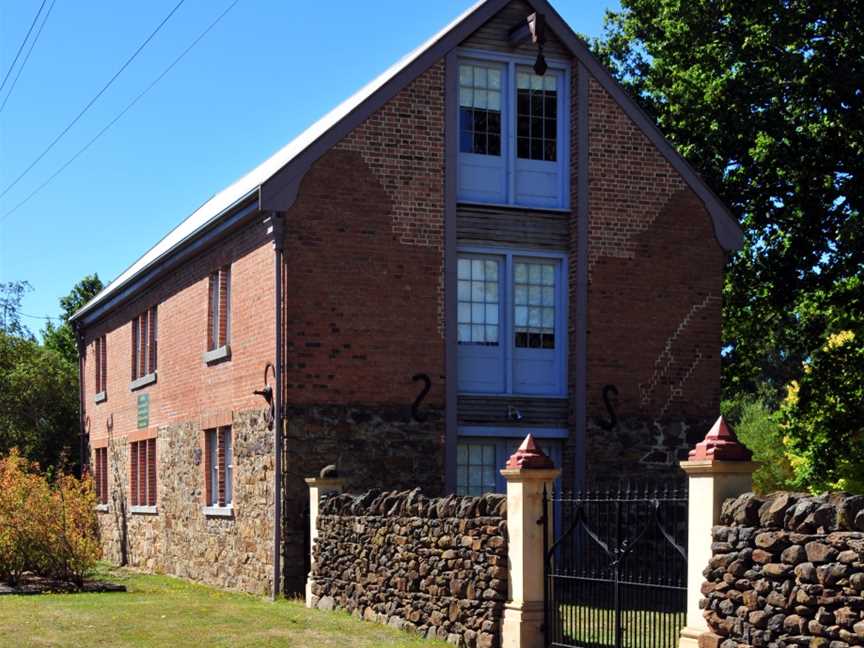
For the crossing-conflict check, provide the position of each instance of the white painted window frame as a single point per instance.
(506, 325)
(508, 135)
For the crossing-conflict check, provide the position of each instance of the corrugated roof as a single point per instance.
(223, 202)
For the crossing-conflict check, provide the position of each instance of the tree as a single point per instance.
(11, 294)
(38, 401)
(62, 338)
(764, 98)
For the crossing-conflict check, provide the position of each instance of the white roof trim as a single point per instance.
(243, 188)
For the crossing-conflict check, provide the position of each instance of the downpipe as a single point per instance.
(277, 222)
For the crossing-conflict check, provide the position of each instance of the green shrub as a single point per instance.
(759, 428)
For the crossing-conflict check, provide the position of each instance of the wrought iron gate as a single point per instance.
(616, 567)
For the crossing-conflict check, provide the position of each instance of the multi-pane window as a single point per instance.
(101, 365)
(142, 477)
(475, 468)
(513, 139)
(534, 304)
(100, 474)
(478, 301)
(219, 311)
(536, 116)
(480, 109)
(510, 323)
(144, 328)
(219, 467)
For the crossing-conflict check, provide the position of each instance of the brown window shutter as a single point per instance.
(133, 478)
(103, 367)
(224, 279)
(208, 469)
(104, 475)
(135, 335)
(142, 473)
(142, 345)
(152, 341)
(151, 472)
(97, 364)
(220, 458)
(212, 308)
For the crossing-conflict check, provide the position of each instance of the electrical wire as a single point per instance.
(121, 113)
(27, 56)
(21, 47)
(94, 99)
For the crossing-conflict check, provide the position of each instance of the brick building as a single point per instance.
(476, 245)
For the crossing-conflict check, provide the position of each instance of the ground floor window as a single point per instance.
(142, 480)
(479, 459)
(100, 474)
(219, 453)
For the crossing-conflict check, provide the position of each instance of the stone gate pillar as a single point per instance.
(718, 468)
(528, 470)
(318, 488)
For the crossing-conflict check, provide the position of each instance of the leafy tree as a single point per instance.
(38, 401)
(764, 98)
(759, 428)
(62, 338)
(11, 294)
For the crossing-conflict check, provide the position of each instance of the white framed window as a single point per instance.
(220, 467)
(219, 309)
(481, 453)
(513, 132)
(511, 322)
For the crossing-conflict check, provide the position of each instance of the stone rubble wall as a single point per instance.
(787, 570)
(229, 552)
(435, 567)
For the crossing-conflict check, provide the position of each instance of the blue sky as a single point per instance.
(263, 74)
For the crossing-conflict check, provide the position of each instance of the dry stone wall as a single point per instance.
(436, 567)
(787, 570)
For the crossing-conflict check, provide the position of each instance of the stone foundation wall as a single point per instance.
(374, 447)
(232, 553)
(435, 567)
(640, 446)
(787, 571)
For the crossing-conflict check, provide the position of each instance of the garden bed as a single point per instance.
(34, 584)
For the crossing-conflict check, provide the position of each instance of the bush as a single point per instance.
(759, 428)
(48, 528)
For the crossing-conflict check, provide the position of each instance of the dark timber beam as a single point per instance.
(533, 29)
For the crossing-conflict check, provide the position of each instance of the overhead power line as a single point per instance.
(21, 47)
(27, 56)
(121, 113)
(94, 99)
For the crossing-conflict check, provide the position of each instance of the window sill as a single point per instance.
(101, 397)
(217, 355)
(143, 510)
(101, 508)
(143, 381)
(515, 206)
(218, 511)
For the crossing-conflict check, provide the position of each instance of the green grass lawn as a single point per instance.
(592, 626)
(164, 611)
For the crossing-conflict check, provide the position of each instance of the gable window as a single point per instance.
(219, 467)
(510, 323)
(142, 475)
(512, 134)
(144, 336)
(100, 474)
(219, 312)
(100, 379)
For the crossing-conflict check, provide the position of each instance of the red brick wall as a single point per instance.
(186, 388)
(655, 277)
(364, 259)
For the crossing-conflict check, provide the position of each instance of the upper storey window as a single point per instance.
(512, 134)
